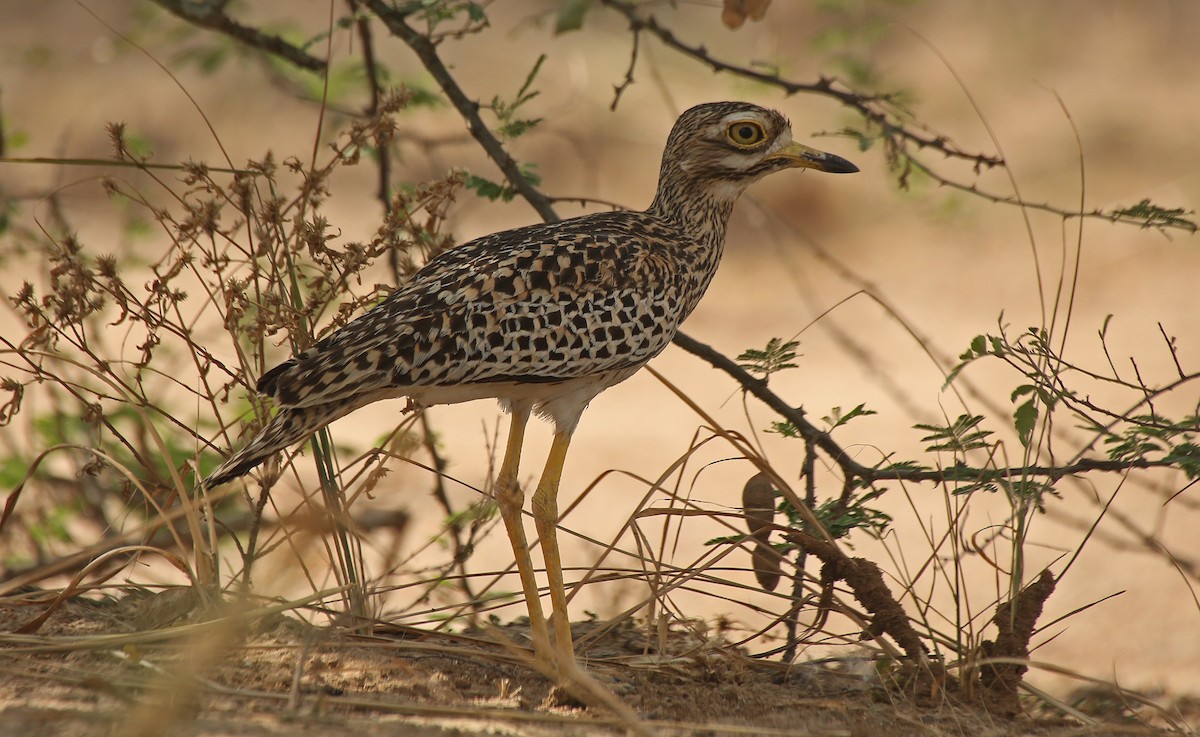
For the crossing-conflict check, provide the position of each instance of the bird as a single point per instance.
(542, 318)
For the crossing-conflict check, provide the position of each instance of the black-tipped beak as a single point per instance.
(799, 156)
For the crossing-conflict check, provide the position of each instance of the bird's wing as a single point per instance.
(541, 303)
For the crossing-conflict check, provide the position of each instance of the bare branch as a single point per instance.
(871, 107)
(426, 51)
(633, 60)
(1180, 221)
(853, 469)
(211, 15)
(895, 132)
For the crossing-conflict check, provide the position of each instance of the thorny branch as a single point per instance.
(863, 577)
(869, 106)
(211, 15)
(426, 51)
(878, 110)
(619, 89)
(851, 469)
(1128, 216)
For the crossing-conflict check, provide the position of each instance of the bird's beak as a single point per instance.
(799, 156)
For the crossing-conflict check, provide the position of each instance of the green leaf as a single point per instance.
(977, 486)
(842, 515)
(528, 173)
(1025, 420)
(1153, 216)
(515, 128)
(775, 357)
(978, 348)
(786, 429)
(1033, 490)
(1187, 457)
(475, 13)
(570, 15)
(901, 467)
(523, 94)
(1021, 391)
(488, 189)
(493, 191)
(957, 437)
(836, 419)
(510, 126)
(1135, 443)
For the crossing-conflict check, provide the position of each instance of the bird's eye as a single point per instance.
(745, 133)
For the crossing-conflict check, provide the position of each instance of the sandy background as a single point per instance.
(799, 245)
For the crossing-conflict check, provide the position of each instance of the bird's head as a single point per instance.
(723, 147)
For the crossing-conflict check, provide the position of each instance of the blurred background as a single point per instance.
(1092, 103)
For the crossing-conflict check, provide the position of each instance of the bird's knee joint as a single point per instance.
(509, 493)
(545, 504)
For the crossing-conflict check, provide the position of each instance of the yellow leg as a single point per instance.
(510, 498)
(545, 516)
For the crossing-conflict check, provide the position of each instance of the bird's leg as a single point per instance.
(510, 498)
(545, 516)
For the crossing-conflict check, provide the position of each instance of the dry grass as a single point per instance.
(272, 607)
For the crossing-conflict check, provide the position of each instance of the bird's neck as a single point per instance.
(699, 209)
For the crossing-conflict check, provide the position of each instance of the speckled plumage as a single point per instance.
(548, 314)
(542, 318)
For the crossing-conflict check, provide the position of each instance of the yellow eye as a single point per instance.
(745, 133)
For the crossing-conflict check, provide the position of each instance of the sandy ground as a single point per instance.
(808, 255)
(276, 676)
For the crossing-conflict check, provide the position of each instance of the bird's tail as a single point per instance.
(290, 426)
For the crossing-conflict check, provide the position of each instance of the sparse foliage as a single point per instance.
(776, 357)
(135, 373)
